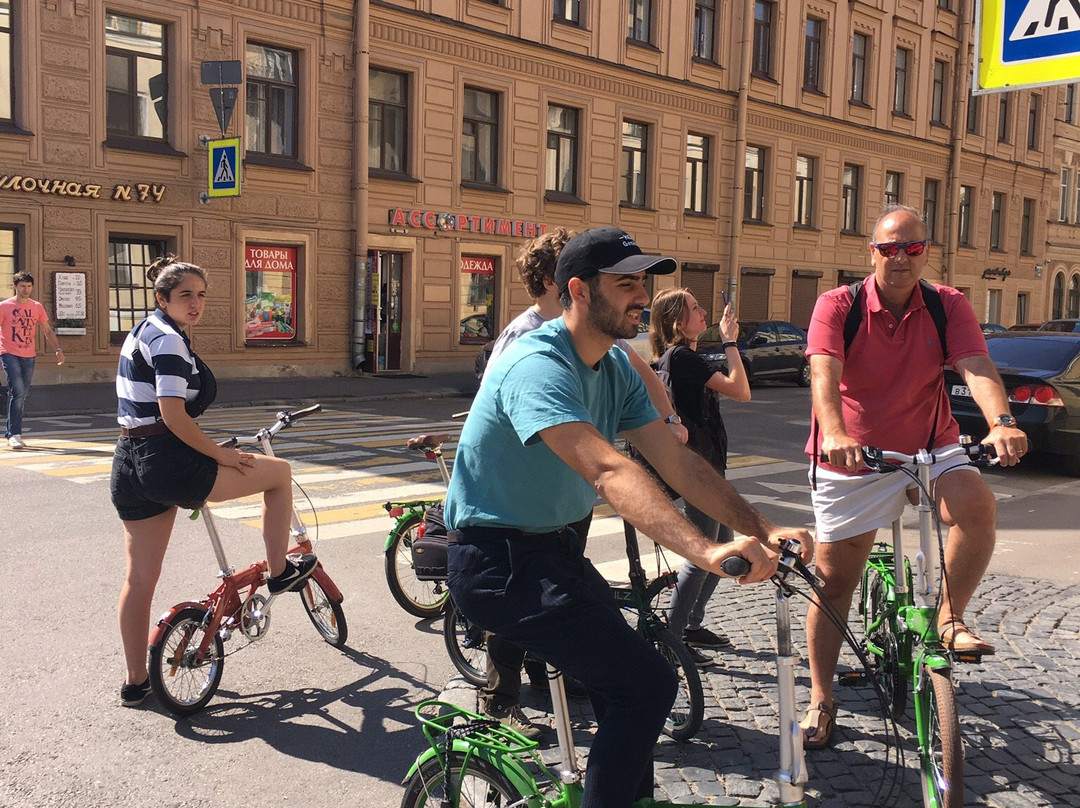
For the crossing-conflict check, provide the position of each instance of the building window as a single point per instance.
(1076, 210)
(131, 296)
(1063, 199)
(974, 114)
(705, 30)
(7, 64)
(9, 252)
(697, 174)
(1003, 119)
(272, 111)
(477, 287)
(480, 137)
(136, 86)
(1022, 306)
(967, 197)
(388, 109)
(937, 102)
(1027, 221)
(270, 285)
(804, 191)
(562, 150)
(1070, 103)
(996, 212)
(900, 81)
(850, 223)
(754, 192)
(635, 163)
(813, 73)
(894, 182)
(640, 24)
(1074, 297)
(931, 189)
(1033, 123)
(763, 38)
(568, 11)
(1058, 305)
(860, 53)
(945, 5)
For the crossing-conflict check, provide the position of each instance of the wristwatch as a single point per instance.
(673, 419)
(1004, 420)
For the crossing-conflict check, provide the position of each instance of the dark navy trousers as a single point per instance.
(540, 592)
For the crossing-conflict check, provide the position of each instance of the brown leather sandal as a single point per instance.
(974, 644)
(815, 727)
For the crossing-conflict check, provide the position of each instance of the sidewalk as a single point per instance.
(69, 399)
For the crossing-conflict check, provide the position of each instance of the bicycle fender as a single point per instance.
(399, 526)
(158, 632)
(329, 587)
(936, 662)
(506, 764)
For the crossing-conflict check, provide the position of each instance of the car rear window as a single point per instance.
(1033, 353)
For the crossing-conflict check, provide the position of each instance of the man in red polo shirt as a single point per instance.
(886, 390)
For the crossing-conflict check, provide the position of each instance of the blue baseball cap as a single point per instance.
(606, 249)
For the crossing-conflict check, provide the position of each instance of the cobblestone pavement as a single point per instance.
(1019, 712)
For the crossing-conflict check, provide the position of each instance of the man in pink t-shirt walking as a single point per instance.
(19, 318)
(886, 390)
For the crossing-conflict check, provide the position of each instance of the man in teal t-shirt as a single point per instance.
(534, 453)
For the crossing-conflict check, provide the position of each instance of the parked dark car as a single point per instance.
(771, 349)
(1041, 372)
(1025, 327)
(1069, 325)
(992, 328)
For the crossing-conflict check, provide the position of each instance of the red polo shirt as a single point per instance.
(892, 385)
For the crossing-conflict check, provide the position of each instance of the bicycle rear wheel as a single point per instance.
(418, 598)
(480, 785)
(326, 615)
(184, 683)
(688, 711)
(465, 644)
(941, 750)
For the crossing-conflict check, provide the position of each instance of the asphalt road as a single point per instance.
(297, 722)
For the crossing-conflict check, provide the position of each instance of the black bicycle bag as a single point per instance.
(429, 546)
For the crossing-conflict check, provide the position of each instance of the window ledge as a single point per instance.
(563, 198)
(12, 128)
(860, 104)
(640, 43)
(699, 215)
(805, 228)
(852, 233)
(757, 222)
(383, 174)
(273, 161)
(900, 113)
(484, 186)
(629, 206)
(815, 91)
(128, 143)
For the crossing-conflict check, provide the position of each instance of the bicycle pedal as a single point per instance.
(974, 657)
(852, 679)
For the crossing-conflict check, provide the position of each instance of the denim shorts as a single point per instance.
(152, 474)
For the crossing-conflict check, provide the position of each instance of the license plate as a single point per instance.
(961, 390)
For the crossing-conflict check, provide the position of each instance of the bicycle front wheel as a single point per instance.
(326, 615)
(941, 751)
(478, 785)
(878, 609)
(688, 711)
(183, 682)
(419, 598)
(465, 644)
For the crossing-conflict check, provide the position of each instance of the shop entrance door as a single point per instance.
(382, 320)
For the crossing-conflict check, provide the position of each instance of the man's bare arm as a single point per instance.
(843, 450)
(982, 378)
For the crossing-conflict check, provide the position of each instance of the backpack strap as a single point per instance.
(854, 315)
(932, 299)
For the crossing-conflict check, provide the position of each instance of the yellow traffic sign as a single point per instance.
(224, 167)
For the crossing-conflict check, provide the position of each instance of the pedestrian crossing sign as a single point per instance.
(1026, 43)
(224, 167)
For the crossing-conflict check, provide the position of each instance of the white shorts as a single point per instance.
(847, 505)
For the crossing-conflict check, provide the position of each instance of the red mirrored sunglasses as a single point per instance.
(891, 248)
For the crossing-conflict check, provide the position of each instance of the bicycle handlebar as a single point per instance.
(284, 420)
(424, 442)
(878, 459)
(790, 561)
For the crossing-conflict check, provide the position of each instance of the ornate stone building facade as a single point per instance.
(395, 154)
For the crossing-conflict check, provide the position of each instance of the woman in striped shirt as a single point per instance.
(164, 460)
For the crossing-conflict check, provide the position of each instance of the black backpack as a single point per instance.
(931, 297)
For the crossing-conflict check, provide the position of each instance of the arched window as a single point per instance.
(1074, 296)
(1057, 306)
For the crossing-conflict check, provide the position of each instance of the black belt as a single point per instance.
(144, 431)
(480, 534)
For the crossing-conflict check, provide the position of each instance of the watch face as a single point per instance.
(1005, 420)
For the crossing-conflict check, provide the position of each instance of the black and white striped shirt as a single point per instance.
(156, 361)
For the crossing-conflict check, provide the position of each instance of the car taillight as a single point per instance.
(1039, 394)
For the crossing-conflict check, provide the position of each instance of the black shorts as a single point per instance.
(151, 475)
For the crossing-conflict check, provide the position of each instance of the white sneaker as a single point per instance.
(16, 442)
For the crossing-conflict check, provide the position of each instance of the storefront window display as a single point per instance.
(270, 293)
(477, 299)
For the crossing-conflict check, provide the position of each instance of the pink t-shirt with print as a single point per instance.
(18, 322)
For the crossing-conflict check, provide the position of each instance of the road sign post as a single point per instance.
(223, 175)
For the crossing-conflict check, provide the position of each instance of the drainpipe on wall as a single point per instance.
(961, 94)
(739, 172)
(361, 57)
